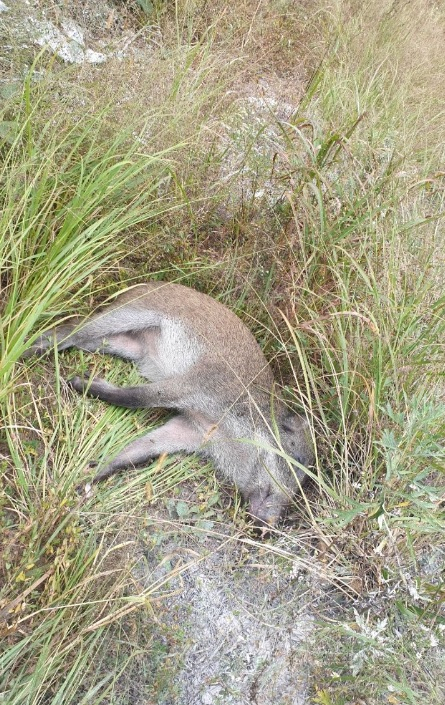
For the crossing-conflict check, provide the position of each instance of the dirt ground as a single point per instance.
(243, 616)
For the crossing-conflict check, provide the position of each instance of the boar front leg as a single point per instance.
(174, 436)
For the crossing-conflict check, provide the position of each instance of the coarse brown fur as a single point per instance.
(204, 363)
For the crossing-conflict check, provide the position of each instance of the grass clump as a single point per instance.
(365, 315)
(70, 193)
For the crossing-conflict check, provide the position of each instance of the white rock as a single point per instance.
(47, 35)
(69, 46)
(73, 31)
(94, 57)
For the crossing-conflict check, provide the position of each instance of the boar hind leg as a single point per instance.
(174, 436)
(171, 393)
(117, 331)
(60, 337)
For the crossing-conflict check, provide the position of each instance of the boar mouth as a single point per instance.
(266, 508)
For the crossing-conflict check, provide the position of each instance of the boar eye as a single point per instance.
(287, 427)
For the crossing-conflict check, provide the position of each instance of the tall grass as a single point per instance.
(351, 255)
(366, 326)
(70, 194)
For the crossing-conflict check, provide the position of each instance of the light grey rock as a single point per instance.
(67, 45)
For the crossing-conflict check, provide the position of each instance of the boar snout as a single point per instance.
(267, 507)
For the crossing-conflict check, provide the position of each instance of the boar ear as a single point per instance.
(293, 422)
